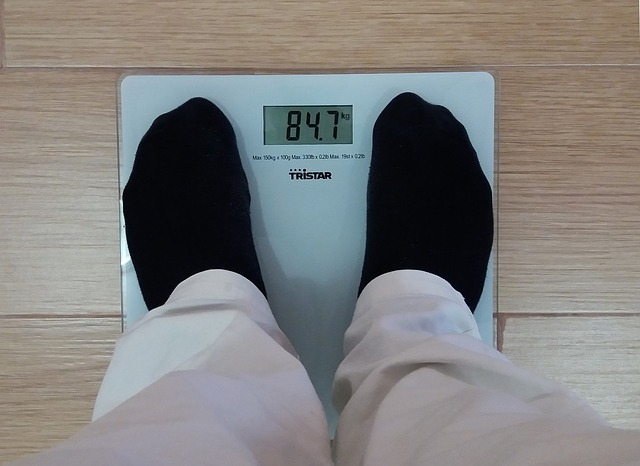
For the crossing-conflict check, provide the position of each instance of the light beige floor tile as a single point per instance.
(59, 238)
(569, 200)
(598, 357)
(283, 34)
(50, 372)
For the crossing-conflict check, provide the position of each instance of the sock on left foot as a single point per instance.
(187, 202)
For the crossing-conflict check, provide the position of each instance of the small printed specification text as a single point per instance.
(298, 157)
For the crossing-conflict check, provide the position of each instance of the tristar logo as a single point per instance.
(297, 174)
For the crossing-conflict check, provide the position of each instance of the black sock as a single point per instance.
(186, 204)
(429, 204)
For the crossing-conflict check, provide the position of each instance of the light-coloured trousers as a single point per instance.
(210, 379)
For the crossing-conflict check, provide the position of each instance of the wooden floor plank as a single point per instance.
(50, 372)
(331, 34)
(2, 42)
(569, 199)
(595, 356)
(59, 236)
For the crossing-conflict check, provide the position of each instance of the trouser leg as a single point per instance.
(208, 378)
(418, 387)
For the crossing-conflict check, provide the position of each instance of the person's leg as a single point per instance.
(207, 377)
(417, 385)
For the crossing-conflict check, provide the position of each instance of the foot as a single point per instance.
(429, 205)
(186, 204)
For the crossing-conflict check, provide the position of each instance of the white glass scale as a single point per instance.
(305, 143)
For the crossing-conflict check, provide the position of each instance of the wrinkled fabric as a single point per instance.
(209, 378)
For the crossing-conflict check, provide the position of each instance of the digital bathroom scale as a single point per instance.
(305, 144)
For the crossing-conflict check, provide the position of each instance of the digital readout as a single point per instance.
(308, 124)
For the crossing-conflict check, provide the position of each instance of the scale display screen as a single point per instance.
(311, 124)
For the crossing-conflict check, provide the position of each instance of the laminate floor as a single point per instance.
(568, 246)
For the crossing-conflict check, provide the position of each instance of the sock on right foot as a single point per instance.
(429, 205)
